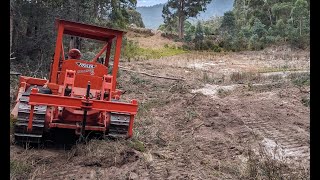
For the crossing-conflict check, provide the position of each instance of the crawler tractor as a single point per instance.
(79, 94)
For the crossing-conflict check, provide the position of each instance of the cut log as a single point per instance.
(151, 75)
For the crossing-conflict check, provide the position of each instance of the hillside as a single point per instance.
(152, 15)
(151, 41)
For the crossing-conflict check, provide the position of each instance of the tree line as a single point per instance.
(32, 27)
(252, 24)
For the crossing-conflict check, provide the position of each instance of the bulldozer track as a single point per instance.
(20, 130)
(159, 170)
(293, 145)
(162, 164)
(118, 128)
(119, 124)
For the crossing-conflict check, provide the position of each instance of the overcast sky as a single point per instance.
(150, 2)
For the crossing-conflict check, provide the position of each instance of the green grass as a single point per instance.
(305, 101)
(19, 169)
(12, 122)
(300, 79)
(132, 51)
(137, 145)
(159, 53)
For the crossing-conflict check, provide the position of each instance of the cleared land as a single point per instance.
(235, 116)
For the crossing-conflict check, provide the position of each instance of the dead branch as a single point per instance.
(303, 90)
(12, 58)
(195, 128)
(15, 73)
(147, 74)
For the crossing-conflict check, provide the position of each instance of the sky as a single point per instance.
(149, 2)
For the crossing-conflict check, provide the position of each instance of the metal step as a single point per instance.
(34, 121)
(28, 135)
(120, 123)
(26, 124)
(113, 135)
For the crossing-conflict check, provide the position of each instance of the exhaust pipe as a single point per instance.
(84, 121)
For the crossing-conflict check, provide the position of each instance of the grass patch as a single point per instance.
(275, 77)
(223, 93)
(179, 87)
(277, 69)
(12, 123)
(144, 108)
(137, 145)
(132, 51)
(245, 77)
(19, 169)
(207, 79)
(136, 80)
(300, 79)
(190, 114)
(139, 53)
(106, 153)
(159, 53)
(306, 101)
(14, 85)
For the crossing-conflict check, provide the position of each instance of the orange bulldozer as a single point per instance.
(79, 94)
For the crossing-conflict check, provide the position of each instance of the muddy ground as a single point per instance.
(233, 116)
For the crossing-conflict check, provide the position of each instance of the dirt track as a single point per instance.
(200, 128)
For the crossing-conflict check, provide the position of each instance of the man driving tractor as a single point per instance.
(74, 54)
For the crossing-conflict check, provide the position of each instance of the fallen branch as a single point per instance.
(14, 73)
(195, 128)
(12, 58)
(303, 90)
(147, 74)
(151, 75)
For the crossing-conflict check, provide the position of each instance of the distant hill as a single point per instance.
(152, 15)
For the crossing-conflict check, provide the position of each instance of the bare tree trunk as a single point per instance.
(11, 28)
(96, 9)
(180, 28)
(300, 23)
(71, 43)
(181, 19)
(78, 43)
(270, 17)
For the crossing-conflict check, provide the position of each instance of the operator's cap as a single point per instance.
(74, 54)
